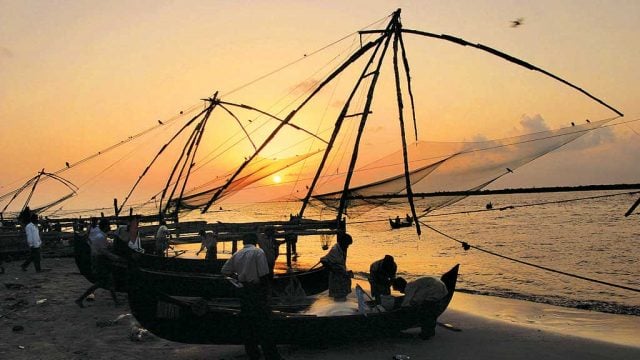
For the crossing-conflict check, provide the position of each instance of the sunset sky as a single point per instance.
(79, 76)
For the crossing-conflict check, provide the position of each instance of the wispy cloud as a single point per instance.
(532, 124)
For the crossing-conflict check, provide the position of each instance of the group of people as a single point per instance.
(253, 268)
(423, 292)
(408, 219)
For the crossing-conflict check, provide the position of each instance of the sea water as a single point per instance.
(590, 238)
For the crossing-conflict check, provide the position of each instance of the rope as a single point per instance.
(300, 59)
(509, 207)
(467, 246)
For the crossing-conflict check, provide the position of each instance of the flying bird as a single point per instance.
(517, 22)
(588, 121)
(160, 122)
(67, 163)
(509, 170)
(573, 124)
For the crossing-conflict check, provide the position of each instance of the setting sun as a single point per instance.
(277, 179)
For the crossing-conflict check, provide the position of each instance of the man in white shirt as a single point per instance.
(249, 266)
(100, 261)
(425, 292)
(162, 238)
(34, 242)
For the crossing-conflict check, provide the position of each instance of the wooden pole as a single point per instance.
(337, 127)
(157, 156)
(363, 119)
(405, 156)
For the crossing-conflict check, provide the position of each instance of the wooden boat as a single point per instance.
(402, 224)
(215, 285)
(197, 321)
(191, 277)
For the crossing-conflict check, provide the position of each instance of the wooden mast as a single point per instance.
(407, 174)
(336, 130)
(156, 158)
(33, 188)
(365, 115)
(288, 119)
(190, 149)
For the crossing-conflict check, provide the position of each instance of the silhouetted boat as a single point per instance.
(192, 277)
(197, 321)
(401, 224)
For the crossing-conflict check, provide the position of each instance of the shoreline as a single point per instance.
(492, 328)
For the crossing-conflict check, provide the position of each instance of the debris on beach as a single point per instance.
(105, 323)
(138, 333)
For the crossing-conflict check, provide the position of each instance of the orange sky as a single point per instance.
(77, 77)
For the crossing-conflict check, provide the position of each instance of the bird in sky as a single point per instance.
(573, 124)
(588, 121)
(509, 170)
(517, 22)
(160, 122)
(67, 163)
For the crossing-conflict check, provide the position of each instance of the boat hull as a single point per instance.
(402, 224)
(191, 277)
(195, 322)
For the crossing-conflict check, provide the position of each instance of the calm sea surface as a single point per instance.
(590, 238)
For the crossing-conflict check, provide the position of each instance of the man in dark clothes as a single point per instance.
(381, 274)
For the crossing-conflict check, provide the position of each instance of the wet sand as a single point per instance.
(54, 327)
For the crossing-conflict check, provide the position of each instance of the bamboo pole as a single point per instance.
(363, 119)
(156, 158)
(286, 121)
(405, 157)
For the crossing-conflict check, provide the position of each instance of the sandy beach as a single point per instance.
(39, 320)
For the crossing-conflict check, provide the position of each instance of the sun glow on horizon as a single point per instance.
(277, 179)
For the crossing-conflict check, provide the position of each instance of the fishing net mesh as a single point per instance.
(445, 167)
(257, 170)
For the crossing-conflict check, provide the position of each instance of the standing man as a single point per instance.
(162, 238)
(270, 245)
(249, 267)
(381, 274)
(101, 258)
(209, 242)
(336, 262)
(34, 242)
